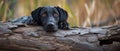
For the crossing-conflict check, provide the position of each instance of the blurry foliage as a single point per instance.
(81, 12)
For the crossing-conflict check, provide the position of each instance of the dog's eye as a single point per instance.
(55, 14)
(44, 15)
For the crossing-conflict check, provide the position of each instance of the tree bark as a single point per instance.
(19, 37)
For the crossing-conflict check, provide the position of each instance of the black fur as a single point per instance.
(35, 15)
(63, 24)
(50, 17)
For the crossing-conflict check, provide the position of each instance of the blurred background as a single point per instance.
(82, 13)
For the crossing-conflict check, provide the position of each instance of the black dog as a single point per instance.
(50, 17)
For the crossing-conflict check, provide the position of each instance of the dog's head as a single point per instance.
(49, 17)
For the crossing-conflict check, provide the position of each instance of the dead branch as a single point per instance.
(19, 37)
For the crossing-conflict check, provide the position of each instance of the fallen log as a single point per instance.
(20, 37)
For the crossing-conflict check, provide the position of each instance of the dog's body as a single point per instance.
(25, 20)
(50, 17)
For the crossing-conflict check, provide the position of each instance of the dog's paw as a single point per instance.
(64, 25)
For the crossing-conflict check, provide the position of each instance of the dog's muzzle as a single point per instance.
(51, 27)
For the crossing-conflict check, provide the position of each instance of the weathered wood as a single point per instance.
(18, 37)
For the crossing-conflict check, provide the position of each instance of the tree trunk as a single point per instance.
(19, 37)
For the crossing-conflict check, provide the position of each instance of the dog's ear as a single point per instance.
(35, 15)
(63, 14)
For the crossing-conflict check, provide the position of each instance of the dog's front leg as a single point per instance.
(63, 25)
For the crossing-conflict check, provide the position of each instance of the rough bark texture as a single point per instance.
(19, 37)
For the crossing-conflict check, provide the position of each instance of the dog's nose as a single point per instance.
(50, 25)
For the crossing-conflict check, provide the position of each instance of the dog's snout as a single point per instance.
(50, 25)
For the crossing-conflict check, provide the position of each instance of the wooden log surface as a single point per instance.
(19, 37)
